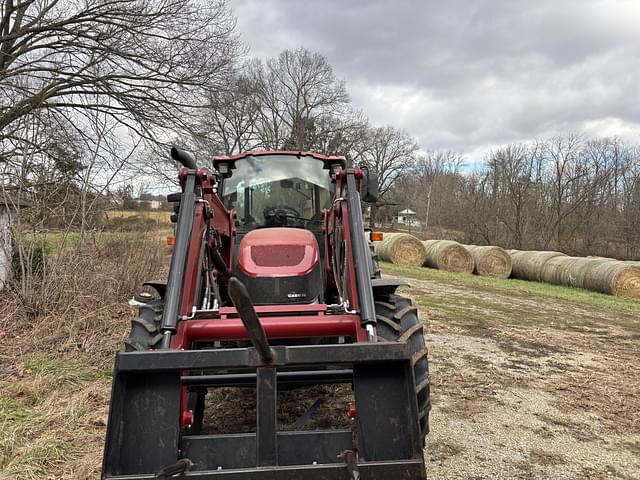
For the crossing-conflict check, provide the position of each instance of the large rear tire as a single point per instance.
(398, 322)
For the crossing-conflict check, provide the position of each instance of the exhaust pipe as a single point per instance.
(240, 297)
(184, 157)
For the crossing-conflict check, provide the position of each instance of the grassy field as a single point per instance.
(52, 417)
(58, 335)
(520, 286)
(529, 380)
(157, 215)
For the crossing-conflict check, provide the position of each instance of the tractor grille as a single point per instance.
(277, 255)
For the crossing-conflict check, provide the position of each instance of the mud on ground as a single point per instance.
(529, 387)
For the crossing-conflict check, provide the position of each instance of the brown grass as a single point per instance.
(72, 305)
(490, 261)
(58, 334)
(132, 221)
(401, 248)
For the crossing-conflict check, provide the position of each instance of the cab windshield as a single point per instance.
(277, 191)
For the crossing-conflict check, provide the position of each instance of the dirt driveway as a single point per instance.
(526, 386)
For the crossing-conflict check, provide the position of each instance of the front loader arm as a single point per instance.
(202, 218)
(348, 249)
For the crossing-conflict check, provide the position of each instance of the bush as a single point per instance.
(80, 299)
(29, 257)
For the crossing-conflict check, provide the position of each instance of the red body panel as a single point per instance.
(279, 321)
(278, 252)
(275, 327)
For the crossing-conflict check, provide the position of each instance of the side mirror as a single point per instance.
(369, 187)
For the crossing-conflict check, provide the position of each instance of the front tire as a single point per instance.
(145, 335)
(397, 321)
(145, 328)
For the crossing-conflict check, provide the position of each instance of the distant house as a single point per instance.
(407, 217)
(8, 203)
(143, 204)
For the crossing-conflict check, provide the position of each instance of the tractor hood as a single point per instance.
(278, 252)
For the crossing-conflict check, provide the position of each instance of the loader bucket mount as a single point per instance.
(285, 228)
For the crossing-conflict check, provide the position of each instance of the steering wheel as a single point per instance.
(277, 216)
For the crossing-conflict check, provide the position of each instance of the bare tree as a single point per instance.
(296, 93)
(629, 174)
(512, 170)
(144, 64)
(388, 152)
(230, 123)
(437, 173)
(572, 177)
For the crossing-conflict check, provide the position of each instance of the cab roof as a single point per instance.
(297, 153)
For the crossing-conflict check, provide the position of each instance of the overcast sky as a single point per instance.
(470, 75)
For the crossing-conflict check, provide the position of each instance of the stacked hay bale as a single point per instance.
(490, 261)
(448, 255)
(598, 274)
(400, 248)
(569, 271)
(527, 265)
(613, 277)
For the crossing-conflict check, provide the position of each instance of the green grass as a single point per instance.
(48, 416)
(39, 458)
(62, 372)
(16, 412)
(520, 286)
(50, 242)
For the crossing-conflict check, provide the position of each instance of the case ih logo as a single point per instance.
(296, 295)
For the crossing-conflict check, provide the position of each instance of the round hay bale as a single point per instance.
(490, 261)
(400, 248)
(575, 272)
(555, 270)
(448, 255)
(527, 265)
(428, 243)
(614, 277)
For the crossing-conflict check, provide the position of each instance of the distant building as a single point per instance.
(143, 204)
(7, 204)
(407, 217)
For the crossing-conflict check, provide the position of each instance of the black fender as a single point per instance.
(159, 286)
(386, 286)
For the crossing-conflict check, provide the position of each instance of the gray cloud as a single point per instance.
(466, 75)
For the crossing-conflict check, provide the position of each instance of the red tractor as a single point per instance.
(272, 286)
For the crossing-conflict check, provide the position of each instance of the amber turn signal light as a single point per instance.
(171, 240)
(376, 236)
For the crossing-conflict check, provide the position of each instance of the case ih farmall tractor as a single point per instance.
(272, 287)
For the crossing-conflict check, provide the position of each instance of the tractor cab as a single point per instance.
(276, 189)
(279, 199)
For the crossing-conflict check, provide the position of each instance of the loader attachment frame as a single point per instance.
(144, 433)
(201, 343)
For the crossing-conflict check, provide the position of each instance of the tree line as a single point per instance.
(568, 193)
(92, 93)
